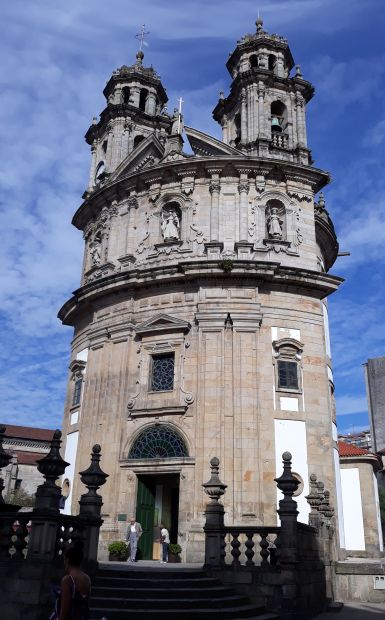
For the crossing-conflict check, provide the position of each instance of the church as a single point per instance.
(201, 321)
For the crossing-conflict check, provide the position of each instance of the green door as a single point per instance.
(145, 510)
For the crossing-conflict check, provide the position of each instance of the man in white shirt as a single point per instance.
(165, 541)
(134, 532)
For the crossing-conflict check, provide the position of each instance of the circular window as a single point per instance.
(301, 484)
(158, 442)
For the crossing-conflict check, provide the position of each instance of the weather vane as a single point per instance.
(141, 36)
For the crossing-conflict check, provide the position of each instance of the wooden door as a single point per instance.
(145, 509)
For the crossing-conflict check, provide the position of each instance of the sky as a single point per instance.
(55, 60)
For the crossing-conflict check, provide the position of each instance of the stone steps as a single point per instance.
(165, 593)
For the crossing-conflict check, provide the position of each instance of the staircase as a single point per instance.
(166, 593)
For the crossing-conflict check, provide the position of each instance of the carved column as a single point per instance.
(91, 182)
(225, 129)
(300, 117)
(110, 139)
(151, 103)
(135, 95)
(261, 111)
(215, 188)
(243, 117)
(243, 189)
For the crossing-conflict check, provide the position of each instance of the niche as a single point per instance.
(126, 94)
(138, 140)
(275, 219)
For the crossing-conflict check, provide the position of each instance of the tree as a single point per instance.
(21, 498)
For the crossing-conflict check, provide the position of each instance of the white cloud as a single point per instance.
(348, 405)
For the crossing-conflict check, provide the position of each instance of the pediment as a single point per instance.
(204, 145)
(163, 323)
(146, 154)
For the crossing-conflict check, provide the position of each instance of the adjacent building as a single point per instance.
(375, 392)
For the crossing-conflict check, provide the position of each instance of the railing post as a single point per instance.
(288, 551)
(214, 514)
(45, 516)
(91, 504)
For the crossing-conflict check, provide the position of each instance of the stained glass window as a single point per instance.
(162, 372)
(287, 375)
(157, 442)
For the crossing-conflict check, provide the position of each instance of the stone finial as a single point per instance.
(287, 483)
(313, 498)
(221, 95)
(298, 72)
(93, 478)
(321, 201)
(5, 457)
(51, 466)
(259, 25)
(214, 488)
(325, 507)
(139, 57)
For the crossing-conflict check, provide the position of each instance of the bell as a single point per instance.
(275, 124)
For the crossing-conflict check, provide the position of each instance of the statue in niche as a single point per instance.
(170, 225)
(274, 224)
(95, 252)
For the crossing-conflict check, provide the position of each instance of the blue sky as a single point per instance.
(55, 59)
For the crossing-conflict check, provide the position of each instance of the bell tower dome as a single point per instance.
(264, 113)
(135, 109)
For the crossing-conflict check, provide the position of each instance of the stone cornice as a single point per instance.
(256, 272)
(93, 204)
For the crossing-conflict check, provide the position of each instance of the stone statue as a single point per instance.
(170, 225)
(95, 253)
(274, 224)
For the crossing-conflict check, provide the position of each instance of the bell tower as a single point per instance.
(264, 113)
(136, 108)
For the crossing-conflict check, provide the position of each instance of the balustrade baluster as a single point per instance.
(19, 538)
(249, 553)
(264, 553)
(235, 551)
(6, 533)
(223, 545)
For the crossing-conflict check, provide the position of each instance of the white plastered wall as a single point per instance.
(70, 457)
(352, 509)
(340, 508)
(290, 436)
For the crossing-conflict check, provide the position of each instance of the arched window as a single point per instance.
(99, 171)
(142, 99)
(158, 442)
(237, 122)
(254, 61)
(278, 116)
(138, 140)
(126, 93)
(272, 61)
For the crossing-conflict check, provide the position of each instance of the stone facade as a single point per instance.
(218, 261)
(375, 392)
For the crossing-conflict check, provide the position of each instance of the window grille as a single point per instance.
(162, 372)
(158, 442)
(287, 375)
(77, 392)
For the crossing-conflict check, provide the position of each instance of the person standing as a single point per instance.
(165, 541)
(73, 595)
(134, 532)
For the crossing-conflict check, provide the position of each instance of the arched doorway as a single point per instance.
(157, 499)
